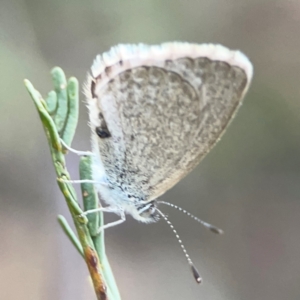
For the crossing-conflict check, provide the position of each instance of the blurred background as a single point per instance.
(248, 185)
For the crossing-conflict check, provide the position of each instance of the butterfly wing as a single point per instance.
(164, 108)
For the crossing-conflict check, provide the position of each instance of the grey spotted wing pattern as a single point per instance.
(164, 119)
(218, 95)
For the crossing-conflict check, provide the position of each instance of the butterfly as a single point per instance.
(155, 112)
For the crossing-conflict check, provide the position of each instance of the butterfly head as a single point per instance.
(146, 212)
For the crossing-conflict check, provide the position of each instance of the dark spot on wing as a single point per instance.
(93, 86)
(102, 132)
(107, 70)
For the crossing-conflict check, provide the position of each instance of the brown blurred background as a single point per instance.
(248, 185)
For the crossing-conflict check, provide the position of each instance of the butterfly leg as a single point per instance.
(112, 224)
(117, 210)
(80, 153)
(112, 209)
(83, 181)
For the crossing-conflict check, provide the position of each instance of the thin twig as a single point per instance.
(59, 116)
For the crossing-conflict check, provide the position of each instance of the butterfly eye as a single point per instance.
(103, 133)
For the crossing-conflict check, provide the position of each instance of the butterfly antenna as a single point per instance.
(193, 268)
(212, 228)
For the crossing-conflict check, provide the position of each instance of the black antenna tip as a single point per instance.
(196, 274)
(216, 230)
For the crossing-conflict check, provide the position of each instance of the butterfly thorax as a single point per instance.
(116, 193)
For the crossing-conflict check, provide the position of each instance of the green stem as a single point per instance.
(59, 116)
(70, 234)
